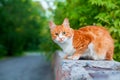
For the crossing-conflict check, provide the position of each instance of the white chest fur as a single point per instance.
(67, 47)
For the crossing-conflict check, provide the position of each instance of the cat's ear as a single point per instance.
(52, 25)
(66, 23)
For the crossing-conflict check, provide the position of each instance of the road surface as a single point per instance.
(26, 68)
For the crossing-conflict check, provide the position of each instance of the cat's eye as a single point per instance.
(56, 33)
(63, 33)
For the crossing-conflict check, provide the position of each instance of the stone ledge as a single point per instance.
(86, 69)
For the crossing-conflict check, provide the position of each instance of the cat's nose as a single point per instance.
(61, 39)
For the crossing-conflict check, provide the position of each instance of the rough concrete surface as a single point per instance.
(86, 69)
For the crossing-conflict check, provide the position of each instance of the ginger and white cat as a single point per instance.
(91, 41)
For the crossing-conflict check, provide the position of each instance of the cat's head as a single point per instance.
(61, 33)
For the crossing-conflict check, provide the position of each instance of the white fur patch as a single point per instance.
(67, 46)
(60, 35)
(92, 53)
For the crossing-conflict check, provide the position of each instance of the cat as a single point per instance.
(93, 42)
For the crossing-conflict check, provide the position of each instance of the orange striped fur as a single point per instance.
(90, 41)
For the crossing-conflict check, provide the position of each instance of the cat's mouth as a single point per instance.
(61, 41)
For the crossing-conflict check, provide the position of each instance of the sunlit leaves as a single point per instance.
(103, 17)
(109, 4)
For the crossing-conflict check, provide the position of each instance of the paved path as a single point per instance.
(26, 68)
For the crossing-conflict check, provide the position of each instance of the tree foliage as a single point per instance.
(21, 22)
(92, 12)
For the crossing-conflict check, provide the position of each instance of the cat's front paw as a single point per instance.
(73, 57)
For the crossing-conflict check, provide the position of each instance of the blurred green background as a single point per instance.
(24, 23)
